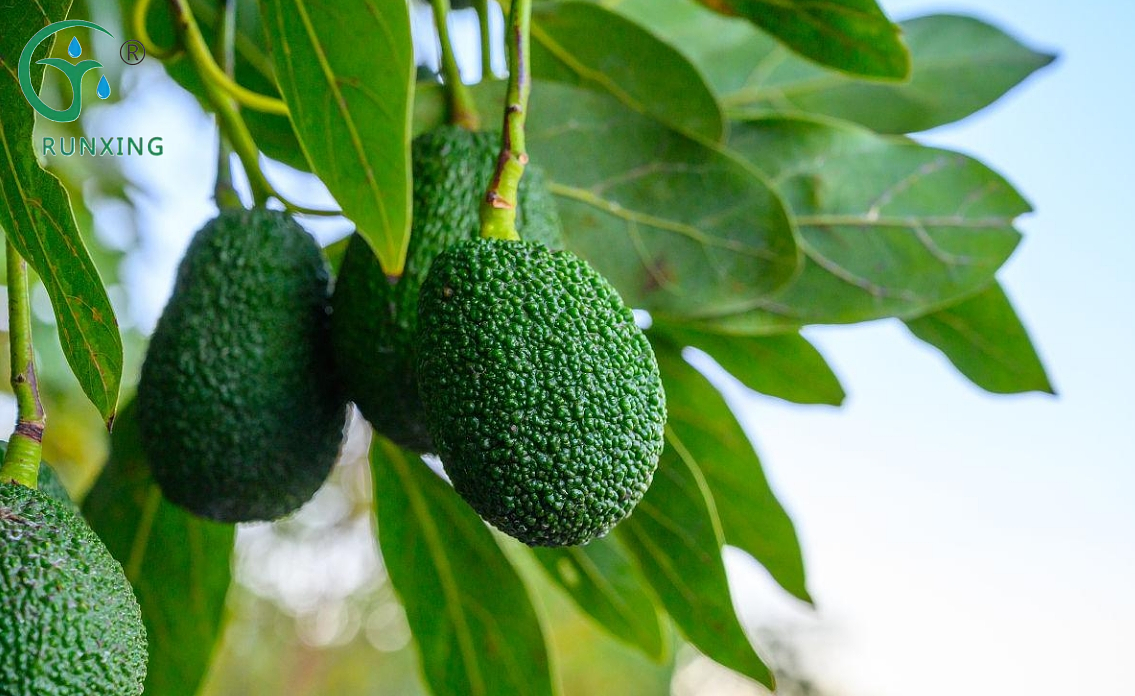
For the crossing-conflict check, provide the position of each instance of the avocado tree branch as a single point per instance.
(462, 109)
(486, 40)
(211, 73)
(138, 21)
(498, 210)
(21, 460)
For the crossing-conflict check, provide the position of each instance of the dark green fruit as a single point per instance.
(542, 395)
(374, 321)
(238, 406)
(69, 623)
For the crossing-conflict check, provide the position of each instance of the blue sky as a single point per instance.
(961, 542)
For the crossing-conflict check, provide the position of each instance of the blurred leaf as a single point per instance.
(984, 338)
(602, 582)
(676, 539)
(959, 66)
(888, 227)
(850, 35)
(752, 518)
(178, 563)
(476, 629)
(586, 45)
(35, 214)
(782, 365)
(679, 228)
(346, 71)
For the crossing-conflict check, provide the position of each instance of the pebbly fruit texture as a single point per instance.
(239, 409)
(543, 396)
(374, 321)
(69, 622)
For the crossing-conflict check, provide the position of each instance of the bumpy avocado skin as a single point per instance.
(374, 321)
(69, 622)
(543, 396)
(239, 409)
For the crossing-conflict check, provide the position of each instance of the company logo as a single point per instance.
(73, 71)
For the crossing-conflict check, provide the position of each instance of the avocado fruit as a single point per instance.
(374, 319)
(69, 622)
(541, 393)
(239, 409)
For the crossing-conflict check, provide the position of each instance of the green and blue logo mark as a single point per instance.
(73, 71)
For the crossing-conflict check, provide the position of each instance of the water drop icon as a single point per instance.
(103, 89)
(73, 48)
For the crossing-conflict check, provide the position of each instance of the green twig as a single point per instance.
(210, 72)
(138, 19)
(498, 210)
(486, 40)
(223, 191)
(462, 109)
(25, 448)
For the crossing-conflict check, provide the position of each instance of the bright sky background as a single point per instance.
(963, 543)
(958, 543)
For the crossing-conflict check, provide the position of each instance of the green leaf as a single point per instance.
(888, 227)
(346, 71)
(675, 537)
(984, 338)
(586, 45)
(601, 580)
(959, 66)
(752, 518)
(680, 228)
(781, 365)
(178, 563)
(849, 35)
(36, 216)
(476, 629)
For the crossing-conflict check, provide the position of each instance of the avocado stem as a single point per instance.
(486, 40)
(462, 109)
(223, 191)
(25, 447)
(498, 209)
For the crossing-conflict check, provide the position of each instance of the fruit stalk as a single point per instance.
(21, 460)
(462, 109)
(223, 191)
(498, 210)
(486, 40)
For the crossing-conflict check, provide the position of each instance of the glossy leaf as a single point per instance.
(849, 35)
(888, 227)
(601, 580)
(346, 71)
(470, 614)
(752, 519)
(782, 365)
(675, 537)
(178, 563)
(959, 66)
(586, 45)
(984, 338)
(680, 228)
(35, 215)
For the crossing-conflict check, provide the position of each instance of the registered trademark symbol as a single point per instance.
(132, 52)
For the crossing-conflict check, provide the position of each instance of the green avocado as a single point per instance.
(69, 622)
(239, 409)
(48, 482)
(543, 396)
(373, 322)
